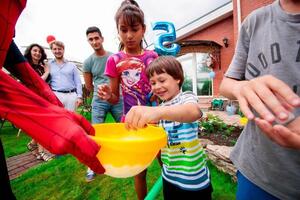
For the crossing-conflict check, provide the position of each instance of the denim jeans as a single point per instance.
(100, 108)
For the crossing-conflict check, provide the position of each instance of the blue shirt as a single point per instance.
(65, 77)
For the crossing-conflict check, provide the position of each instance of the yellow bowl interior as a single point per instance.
(125, 152)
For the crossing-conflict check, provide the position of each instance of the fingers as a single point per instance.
(269, 97)
(280, 88)
(279, 134)
(136, 118)
(104, 91)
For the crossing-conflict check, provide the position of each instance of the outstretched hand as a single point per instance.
(286, 136)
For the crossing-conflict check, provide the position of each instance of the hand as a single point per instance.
(46, 71)
(288, 136)
(71, 137)
(268, 96)
(140, 116)
(79, 101)
(104, 92)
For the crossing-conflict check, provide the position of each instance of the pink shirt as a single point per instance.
(131, 72)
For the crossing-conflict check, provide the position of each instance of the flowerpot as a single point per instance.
(231, 109)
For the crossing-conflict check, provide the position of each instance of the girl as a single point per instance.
(127, 68)
(36, 56)
(185, 174)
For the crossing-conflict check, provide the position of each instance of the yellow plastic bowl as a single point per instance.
(125, 153)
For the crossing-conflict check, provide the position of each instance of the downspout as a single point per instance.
(239, 20)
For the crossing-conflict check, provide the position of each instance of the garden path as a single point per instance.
(17, 165)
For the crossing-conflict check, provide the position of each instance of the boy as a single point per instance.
(264, 69)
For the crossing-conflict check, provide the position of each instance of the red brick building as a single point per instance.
(211, 39)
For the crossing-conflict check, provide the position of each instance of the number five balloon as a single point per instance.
(168, 37)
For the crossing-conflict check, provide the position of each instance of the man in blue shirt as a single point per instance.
(65, 79)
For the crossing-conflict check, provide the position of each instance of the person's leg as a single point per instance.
(247, 190)
(117, 110)
(5, 189)
(70, 99)
(99, 111)
(140, 185)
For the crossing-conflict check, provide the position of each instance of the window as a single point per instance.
(196, 67)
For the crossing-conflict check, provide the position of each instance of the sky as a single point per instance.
(68, 20)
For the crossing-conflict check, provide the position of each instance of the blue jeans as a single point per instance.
(100, 109)
(247, 190)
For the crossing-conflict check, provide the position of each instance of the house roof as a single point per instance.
(205, 20)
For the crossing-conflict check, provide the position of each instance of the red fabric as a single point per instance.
(34, 108)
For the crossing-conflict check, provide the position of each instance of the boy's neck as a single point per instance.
(291, 6)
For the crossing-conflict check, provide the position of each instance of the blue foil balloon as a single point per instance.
(212, 74)
(168, 38)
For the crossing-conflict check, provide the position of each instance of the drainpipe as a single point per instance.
(239, 20)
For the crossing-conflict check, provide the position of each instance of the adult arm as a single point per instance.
(88, 80)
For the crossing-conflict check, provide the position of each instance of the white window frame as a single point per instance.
(192, 56)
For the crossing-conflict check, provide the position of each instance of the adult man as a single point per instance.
(65, 79)
(93, 68)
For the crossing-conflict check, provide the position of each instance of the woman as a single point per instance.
(36, 56)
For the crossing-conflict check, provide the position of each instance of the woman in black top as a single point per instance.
(37, 58)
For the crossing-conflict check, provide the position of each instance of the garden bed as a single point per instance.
(216, 130)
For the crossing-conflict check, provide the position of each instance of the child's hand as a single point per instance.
(268, 96)
(140, 116)
(104, 92)
(288, 136)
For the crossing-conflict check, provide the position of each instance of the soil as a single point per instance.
(221, 139)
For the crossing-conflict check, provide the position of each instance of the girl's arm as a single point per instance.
(110, 92)
(140, 116)
(47, 72)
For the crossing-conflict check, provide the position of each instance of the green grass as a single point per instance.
(13, 144)
(64, 177)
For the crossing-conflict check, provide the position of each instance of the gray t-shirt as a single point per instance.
(269, 43)
(96, 65)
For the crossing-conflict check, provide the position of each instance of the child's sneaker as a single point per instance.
(90, 175)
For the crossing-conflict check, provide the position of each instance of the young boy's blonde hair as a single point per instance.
(166, 64)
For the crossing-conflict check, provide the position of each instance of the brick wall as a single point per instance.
(216, 33)
(227, 28)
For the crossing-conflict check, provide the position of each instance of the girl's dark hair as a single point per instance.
(27, 53)
(131, 13)
(166, 64)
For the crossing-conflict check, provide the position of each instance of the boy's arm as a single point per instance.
(268, 96)
(140, 116)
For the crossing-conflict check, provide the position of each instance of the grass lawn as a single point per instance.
(64, 177)
(13, 144)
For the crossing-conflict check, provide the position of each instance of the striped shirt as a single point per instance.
(184, 160)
